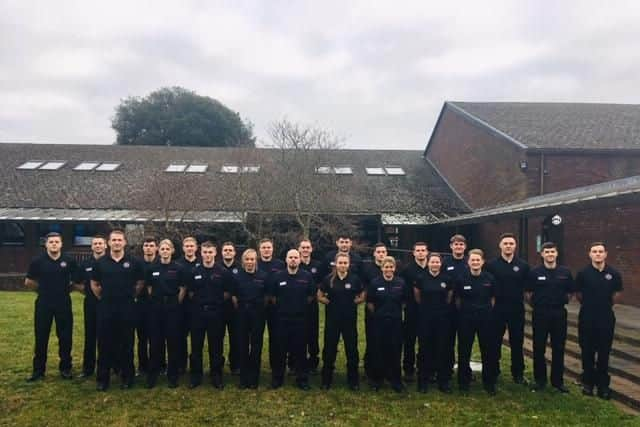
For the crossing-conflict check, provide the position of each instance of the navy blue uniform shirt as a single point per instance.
(387, 296)
(510, 280)
(86, 271)
(475, 292)
(434, 291)
(598, 287)
(165, 280)
(341, 294)
(250, 288)
(412, 274)
(292, 292)
(54, 277)
(355, 264)
(454, 267)
(209, 285)
(118, 278)
(550, 287)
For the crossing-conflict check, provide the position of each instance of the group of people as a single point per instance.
(434, 299)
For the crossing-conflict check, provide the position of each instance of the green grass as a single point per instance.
(58, 402)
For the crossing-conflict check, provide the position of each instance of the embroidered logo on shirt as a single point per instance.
(314, 270)
(347, 285)
(126, 265)
(608, 276)
(443, 285)
(234, 271)
(516, 268)
(63, 264)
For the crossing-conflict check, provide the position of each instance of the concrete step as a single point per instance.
(622, 390)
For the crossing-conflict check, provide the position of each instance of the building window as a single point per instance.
(52, 166)
(83, 234)
(11, 234)
(394, 170)
(108, 167)
(375, 171)
(230, 169)
(343, 170)
(30, 165)
(197, 168)
(86, 166)
(251, 169)
(323, 170)
(173, 167)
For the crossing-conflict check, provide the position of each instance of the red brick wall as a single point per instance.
(618, 226)
(483, 168)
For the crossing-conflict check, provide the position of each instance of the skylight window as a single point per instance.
(323, 170)
(108, 167)
(86, 166)
(230, 169)
(375, 171)
(251, 169)
(197, 168)
(394, 170)
(343, 170)
(51, 166)
(176, 167)
(30, 165)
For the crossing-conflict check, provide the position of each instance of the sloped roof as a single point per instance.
(559, 126)
(141, 183)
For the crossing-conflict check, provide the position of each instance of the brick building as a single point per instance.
(519, 165)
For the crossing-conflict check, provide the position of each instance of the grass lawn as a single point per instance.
(57, 402)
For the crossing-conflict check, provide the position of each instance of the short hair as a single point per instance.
(167, 242)
(507, 236)
(379, 245)
(228, 243)
(248, 251)
(477, 252)
(388, 260)
(117, 231)
(305, 240)
(458, 238)
(208, 244)
(150, 239)
(548, 245)
(343, 235)
(420, 243)
(592, 244)
(189, 239)
(434, 255)
(99, 236)
(265, 240)
(53, 234)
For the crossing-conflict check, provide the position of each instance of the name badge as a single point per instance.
(88, 269)
(155, 273)
(381, 289)
(347, 286)
(467, 288)
(198, 277)
(451, 267)
(542, 277)
(283, 283)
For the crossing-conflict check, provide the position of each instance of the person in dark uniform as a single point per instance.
(249, 298)
(510, 274)
(209, 289)
(269, 265)
(166, 286)
(116, 281)
(312, 266)
(475, 300)
(411, 274)
(149, 255)
(549, 288)
(385, 299)
(98, 248)
(368, 272)
(454, 265)
(343, 245)
(341, 292)
(188, 261)
(51, 276)
(291, 291)
(229, 262)
(433, 293)
(598, 288)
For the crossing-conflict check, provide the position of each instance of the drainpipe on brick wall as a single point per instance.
(541, 174)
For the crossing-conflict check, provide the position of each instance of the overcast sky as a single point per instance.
(376, 73)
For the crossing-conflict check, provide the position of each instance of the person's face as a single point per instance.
(388, 269)
(189, 248)
(507, 246)
(434, 264)
(293, 259)
(149, 249)
(249, 262)
(98, 246)
(53, 244)
(343, 244)
(379, 253)
(165, 251)
(342, 264)
(208, 254)
(117, 242)
(420, 253)
(458, 248)
(266, 250)
(475, 262)
(598, 254)
(228, 253)
(305, 249)
(550, 255)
